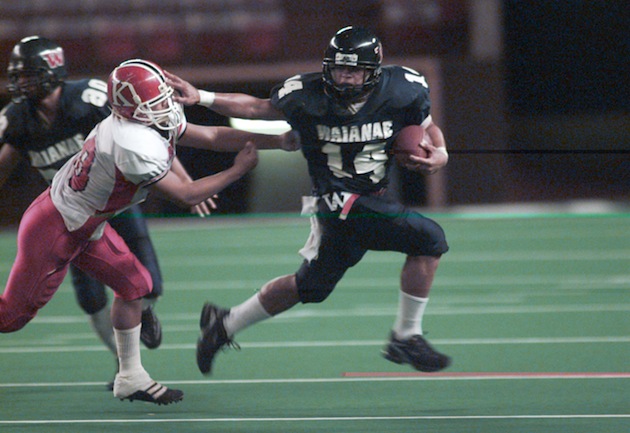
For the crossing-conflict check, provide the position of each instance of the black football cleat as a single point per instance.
(213, 336)
(151, 330)
(417, 352)
(157, 394)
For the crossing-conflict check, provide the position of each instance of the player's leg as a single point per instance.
(416, 279)
(218, 325)
(110, 261)
(43, 254)
(313, 282)
(398, 228)
(31, 284)
(92, 298)
(132, 227)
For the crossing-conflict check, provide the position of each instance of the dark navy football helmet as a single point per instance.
(354, 47)
(36, 67)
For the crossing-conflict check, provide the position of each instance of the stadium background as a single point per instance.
(533, 306)
(532, 96)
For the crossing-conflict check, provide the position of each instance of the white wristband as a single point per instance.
(206, 98)
(442, 149)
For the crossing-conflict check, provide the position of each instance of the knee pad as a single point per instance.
(314, 296)
(12, 321)
(315, 286)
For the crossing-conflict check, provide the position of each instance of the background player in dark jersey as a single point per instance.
(348, 117)
(46, 123)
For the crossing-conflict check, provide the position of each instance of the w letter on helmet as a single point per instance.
(53, 58)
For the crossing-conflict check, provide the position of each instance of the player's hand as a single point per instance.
(434, 160)
(186, 93)
(205, 208)
(247, 158)
(290, 141)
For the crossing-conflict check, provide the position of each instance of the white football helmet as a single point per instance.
(137, 90)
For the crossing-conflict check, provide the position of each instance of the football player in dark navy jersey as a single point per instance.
(348, 117)
(46, 123)
(47, 146)
(330, 130)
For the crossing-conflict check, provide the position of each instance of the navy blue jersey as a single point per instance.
(83, 104)
(352, 151)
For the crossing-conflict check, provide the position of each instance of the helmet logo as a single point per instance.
(53, 58)
(346, 59)
(118, 99)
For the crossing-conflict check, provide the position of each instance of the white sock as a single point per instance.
(409, 318)
(102, 324)
(128, 344)
(246, 314)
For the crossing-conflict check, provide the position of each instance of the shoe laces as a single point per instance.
(231, 344)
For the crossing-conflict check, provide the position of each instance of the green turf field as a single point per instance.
(533, 308)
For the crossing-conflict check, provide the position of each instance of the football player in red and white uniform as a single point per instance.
(124, 157)
(348, 117)
(46, 123)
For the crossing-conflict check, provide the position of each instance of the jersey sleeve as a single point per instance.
(283, 96)
(295, 96)
(142, 156)
(409, 91)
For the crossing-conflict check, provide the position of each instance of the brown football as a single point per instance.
(408, 143)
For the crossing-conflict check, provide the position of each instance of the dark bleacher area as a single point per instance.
(98, 34)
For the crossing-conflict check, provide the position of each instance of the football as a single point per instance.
(408, 143)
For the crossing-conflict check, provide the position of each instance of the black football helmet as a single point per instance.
(36, 67)
(358, 47)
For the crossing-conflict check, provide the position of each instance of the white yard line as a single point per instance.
(316, 419)
(343, 343)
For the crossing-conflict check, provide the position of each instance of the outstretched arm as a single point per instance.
(226, 139)
(205, 207)
(187, 194)
(226, 104)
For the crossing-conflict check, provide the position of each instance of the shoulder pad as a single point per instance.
(304, 92)
(404, 85)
